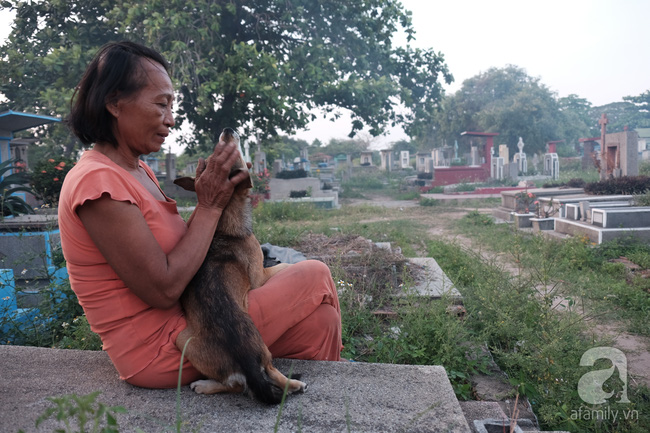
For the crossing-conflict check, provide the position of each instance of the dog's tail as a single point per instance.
(258, 383)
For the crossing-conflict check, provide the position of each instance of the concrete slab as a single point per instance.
(342, 396)
(30, 222)
(434, 282)
(478, 410)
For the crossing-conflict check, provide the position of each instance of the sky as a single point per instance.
(596, 49)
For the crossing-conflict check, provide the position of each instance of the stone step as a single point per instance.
(342, 396)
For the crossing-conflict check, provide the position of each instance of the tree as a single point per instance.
(261, 66)
(576, 120)
(619, 115)
(642, 104)
(47, 51)
(349, 147)
(504, 100)
(283, 147)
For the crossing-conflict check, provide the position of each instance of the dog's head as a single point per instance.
(227, 136)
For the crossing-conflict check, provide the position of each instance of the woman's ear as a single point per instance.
(113, 106)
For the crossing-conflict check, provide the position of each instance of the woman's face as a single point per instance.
(143, 120)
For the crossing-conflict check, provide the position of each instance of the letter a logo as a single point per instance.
(590, 385)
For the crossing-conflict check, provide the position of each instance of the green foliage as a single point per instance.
(428, 202)
(620, 115)
(11, 184)
(408, 195)
(45, 56)
(504, 100)
(366, 181)
(234, 65)
(268, 212)
(48, 176)
(577, 121)
(58, 321)
(476, 218)
(619, 185)
(535, 339)
(642, 199)
(85, 411)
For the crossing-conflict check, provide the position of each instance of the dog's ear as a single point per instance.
(248, 182)
(186, 183)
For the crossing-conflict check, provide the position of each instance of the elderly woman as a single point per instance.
(128, 252)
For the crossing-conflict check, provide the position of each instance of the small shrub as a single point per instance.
(432, 189)
(410, 195)
(292, 174)
(365, 182)
(642, 199)
(576, 183)
(465, 187)
(425, 176)
(619, 185)
(47, 178)
(424, 201)
(84, 411)
(298, 194)
(11, 204)
(478, 219)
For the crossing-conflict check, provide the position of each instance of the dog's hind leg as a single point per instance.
(236, 383)
(280, 380)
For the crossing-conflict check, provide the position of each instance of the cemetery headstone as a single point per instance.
(405, 159)
(504, 153)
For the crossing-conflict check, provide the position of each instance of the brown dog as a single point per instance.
(224, 344)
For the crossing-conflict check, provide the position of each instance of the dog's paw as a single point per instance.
(297, 387)
(205, 386)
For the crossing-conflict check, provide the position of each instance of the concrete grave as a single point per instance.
(405, 159)
(582, 210)
(560, 203)
(631, 217)
(504, 153)
(341, 396)
(280, 190)
(496, 169)
(598, 235)
(618, 152)
(552, 166)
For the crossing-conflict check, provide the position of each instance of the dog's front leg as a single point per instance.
(269, 272)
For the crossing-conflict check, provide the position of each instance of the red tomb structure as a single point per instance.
(468, 173)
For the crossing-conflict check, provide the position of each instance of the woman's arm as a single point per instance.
(123, 237)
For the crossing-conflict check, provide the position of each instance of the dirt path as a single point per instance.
(441, 225)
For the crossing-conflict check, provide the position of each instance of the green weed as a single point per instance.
(85, 412)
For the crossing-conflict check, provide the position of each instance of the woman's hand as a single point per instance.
(213, 185)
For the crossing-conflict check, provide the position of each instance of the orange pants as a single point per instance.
(297, 313)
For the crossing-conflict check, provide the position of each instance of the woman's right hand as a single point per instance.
(213, 185)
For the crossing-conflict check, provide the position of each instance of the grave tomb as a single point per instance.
(560, 203)
(509, 199)
(598, 235)
(631, 217)
(574, 211)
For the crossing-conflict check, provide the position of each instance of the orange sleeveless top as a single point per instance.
(132, 332)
